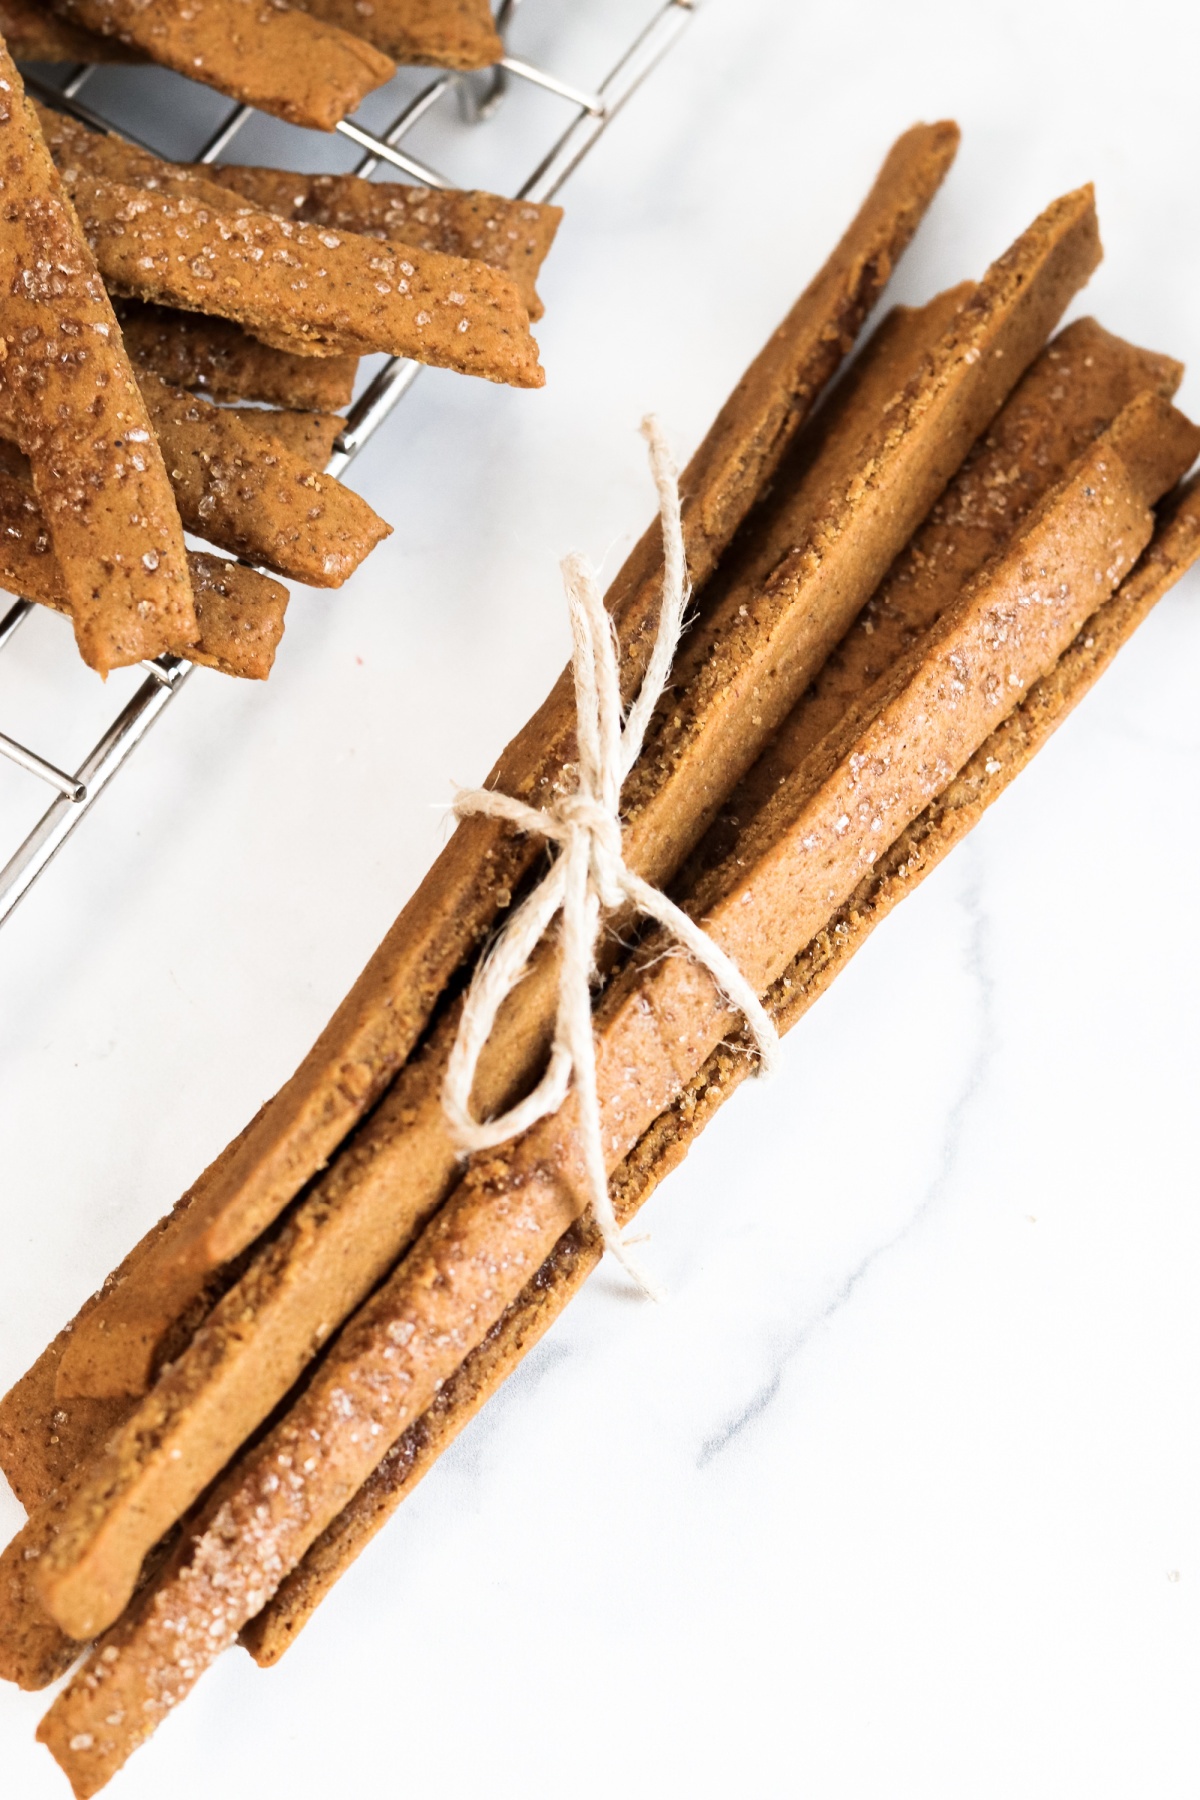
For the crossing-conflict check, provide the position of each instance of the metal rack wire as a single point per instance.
(479, 97)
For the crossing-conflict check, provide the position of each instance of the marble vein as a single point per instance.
(794, 1344)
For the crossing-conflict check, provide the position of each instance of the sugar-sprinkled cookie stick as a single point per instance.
(511, 235)
(80, 417)
(250, 493)
(297, 67)
(165, 232)
(306, 289)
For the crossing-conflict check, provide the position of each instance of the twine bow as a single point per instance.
(589, 875)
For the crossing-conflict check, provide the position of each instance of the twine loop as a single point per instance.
(589, 876)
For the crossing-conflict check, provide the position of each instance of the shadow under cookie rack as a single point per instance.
(478, 97)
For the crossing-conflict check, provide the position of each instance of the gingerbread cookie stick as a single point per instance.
(389, 1178)
(304, 289)
(238, 611)
(656, 1029)
(79, 416)
(345, 295)
(35, 35)
(511, 235)
(297, 67)
(918, 850)
(218, 358)
(247, 492)
(377, 1025)
(449, 34)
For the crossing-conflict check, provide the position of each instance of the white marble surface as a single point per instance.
(899, 1494)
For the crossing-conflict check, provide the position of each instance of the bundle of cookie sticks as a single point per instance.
(898, 595)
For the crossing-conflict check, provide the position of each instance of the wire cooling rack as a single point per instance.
(478, 97)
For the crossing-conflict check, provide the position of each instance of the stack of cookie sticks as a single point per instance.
(396, 1170)
(278, 302)
(896, 600)
(917, 851)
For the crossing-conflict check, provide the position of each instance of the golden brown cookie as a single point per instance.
(79, 416)
(511, 235)
(273, 57)
(249, 492)
(302, 288)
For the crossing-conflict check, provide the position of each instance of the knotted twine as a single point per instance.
(589, 875)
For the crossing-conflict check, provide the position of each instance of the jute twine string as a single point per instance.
(589, 876)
